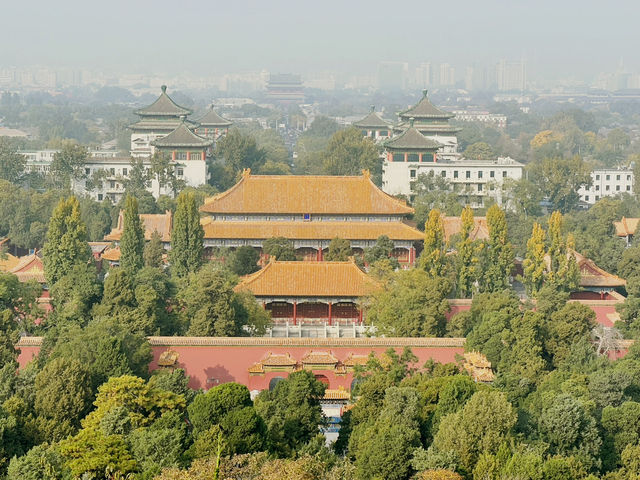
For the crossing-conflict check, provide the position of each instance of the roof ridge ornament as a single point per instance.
(373, 108)
(163, 88)
(411, 120)
(246, 173)
(424, 92)
(366, 173)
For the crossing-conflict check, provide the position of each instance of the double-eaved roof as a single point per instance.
(305, 194)
(309, 279)
(372, 121)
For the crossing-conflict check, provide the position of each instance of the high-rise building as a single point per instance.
(511, 76)
(447, 75)
(392, 75)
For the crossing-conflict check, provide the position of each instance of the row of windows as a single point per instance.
(125, 171)
(608, 177)
(608, 188)
(467, 174)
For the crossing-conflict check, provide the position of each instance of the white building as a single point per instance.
(472, 180)
(498, 120)
(607, 182)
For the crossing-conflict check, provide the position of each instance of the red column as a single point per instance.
(264, 305)
(173, 155)
(206, 132)
(420, 158)
(360, 315)
(202, 155)
(319, 256)
(330, 313)
(295, 312)
(188, 155)
(412, 256)
(406, 157)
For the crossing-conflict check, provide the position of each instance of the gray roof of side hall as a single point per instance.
(212, 119)
(412, 139)
(425, 109)
(182, 137)
(372, 120)
(164, 106)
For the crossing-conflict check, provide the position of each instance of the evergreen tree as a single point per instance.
(66, 244)
(153, 251)
(245, 260)
(563, 272)
(279, 247)
(433, 257)
(467, 256)
(132, 240)
(339, 250)
(187, 237)
(499, 255)
(534, 264)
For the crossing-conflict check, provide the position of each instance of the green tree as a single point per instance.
(413, 305)
(154, 251)
(380, 251)
(234, 152)
(560, 178)
(132, 239)
(479, 151)
(339, 250)
(349, 153)
(433, 259)
(568, 325)
(470, 432)
(66, 244)
(68, 164)
(534, 265)
(187, 237)
(467, 256)
(280, 248)
(12, 163)
(42, 462)
(292, 412)
(622, 428)
(206, 303)
(563, 273)
(63, 397)
(499, 252)
(245, 260)
(75, 294)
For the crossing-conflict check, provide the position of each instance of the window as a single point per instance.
(628, 178)
(480, 174)
(398, 157)
(384, 133)
(467, 174)
(617, 188)
(617, 177)
(99, 197)
(628, 188)
(597, 188)
(597, 177)
(112, 171)
(181, 156)
(196, 155)
(586, 198)
(179, 171)
(413, 157)
(597, 197)
(443, 173)
(112, 184)
(455, 174)
(504, 174)
(412, 173)
(492, 173)
(124, 171)
(87, 171)
(479, 187)
(608, 177)
(306, 217)
(607, 188)
(365, 133)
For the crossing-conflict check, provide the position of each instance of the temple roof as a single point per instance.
(425, 109)
(112, 254)
(593, 276)
(319, 358)
(261, 230)
(412, 139)
(305, 194)
(453, 226)
(182, 137)
(626, 226)
(152, 222)
(29, 267)
(8, 261)
(309, 279)
(164, 106)
(278, 360)
(212, 119)
(169, 124)
(372, 120)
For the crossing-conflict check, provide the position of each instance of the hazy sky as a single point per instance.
(561, 37)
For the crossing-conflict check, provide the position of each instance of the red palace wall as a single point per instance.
(211, 361)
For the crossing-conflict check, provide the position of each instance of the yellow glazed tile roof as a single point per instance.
(29, 267)
(319, 358)
(309, 279)
(310, 230)
(453, 226)
(592, 275)
(626, 226)
(162, 223)
(300, 194)
(336, 394)
(278, 360)
(8, 262)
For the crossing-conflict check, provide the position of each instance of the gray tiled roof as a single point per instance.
(212, 119)
(412, 139)
(169, 124)
(182, 137)
(164, 106)
(372, 120)
(424, 108)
